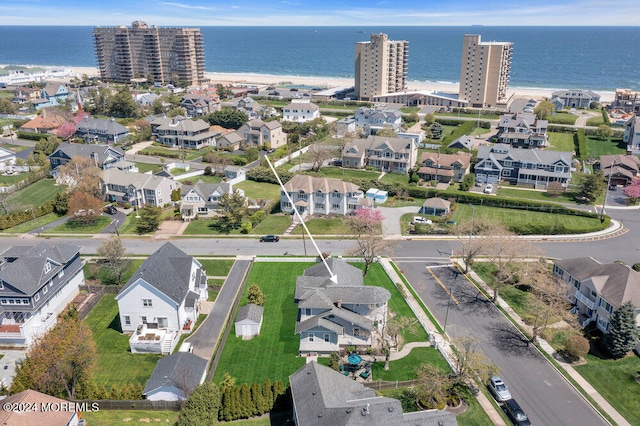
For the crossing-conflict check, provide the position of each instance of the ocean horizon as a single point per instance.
(596, 58)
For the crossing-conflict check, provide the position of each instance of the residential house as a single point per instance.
(23, 95)
(96, 130)
(161, 300)
(36, 284)
(53, 94)
(573, 99)
(175, 377)
(146, 100)
(230, 141)
(444, 168)
(7, 160)
(527, 167)
(321, 395)
(137, 189)
(373, 119)
(104, 156)
(435, 206)
(198, 105)
(463, 142)
(346, 126)
(202, 199)
(523, 130)
(627, 101)
(248, 105)
(249, 320)
(32, 410)
(385, 154)
(597, 289)
(182, 132)
(300, 111)
(319, 195)
(260, 134)
(621, 168)
(46, 122)
(632, 132)
(233, 172)
(334, 314)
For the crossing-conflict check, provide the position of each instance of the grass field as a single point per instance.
(597, 147)
(272, 224)
(207, 226)
(565, 197)
(400, 178)
(217, 267)
(115, 363)
(129, 225)
(513, 217)
(129, 417)
(324, 226)
(148, 167)
(561, 141)
(346, 174)
(34, 195)
(205, 179)
(32, 224)
(75, 227)
(595, 121)
(615, 381)
(405, 368)
(261, 190)
(273, 354)
(94, 271)
(562, 118)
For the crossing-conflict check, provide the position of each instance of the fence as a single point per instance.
(98, 291)
(383, 384)
(285, 258)
(28, 180)
(138, 404)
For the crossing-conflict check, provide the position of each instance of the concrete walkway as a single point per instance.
(484, 402)
(406, 349)
(568, 368)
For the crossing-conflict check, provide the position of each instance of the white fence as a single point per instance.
(288, 158)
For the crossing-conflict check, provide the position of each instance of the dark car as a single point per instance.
(269, 239)
(111, 210)
(516, 413)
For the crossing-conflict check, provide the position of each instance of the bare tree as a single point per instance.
(82, 174)
(113, 253)
(366, 226)
(434, 384)
(470, 361)
(398, 326)
(318, 153)
(478, 239)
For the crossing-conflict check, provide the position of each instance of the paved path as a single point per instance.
(392, 215)
(206, 337)
(406, 349)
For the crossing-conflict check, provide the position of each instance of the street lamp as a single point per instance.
(115, 226)
(35, 220)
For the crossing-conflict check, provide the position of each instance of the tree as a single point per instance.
(251, 154)
(398, 326)
(149, 220)
(476, 238)
(227, 382)
(387, 132)
(7, 107)
(48, 145)
(576, 347)
(122, 104)
(176, 195)
(66, 130)
(233, 208)
(61, 203)
(604, 131)
(317, 154)
(470, 362)
(590, 186)
(84, 207)
(554, 189)
(366, 226)
(267, 393)
(228, 118)
(633, 189)
(435, 131)
(141, 131)
(113, 257)
(257, 400)
(255, 295)
(334, 361)
(60, 361)
(202, 407)
(623, 332)
(81, 174)
(245, 401)
(433, 384)
(543, 109)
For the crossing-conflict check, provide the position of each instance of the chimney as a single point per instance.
(339, 304)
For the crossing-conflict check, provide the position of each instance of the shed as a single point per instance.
(249, 320)
(381, 197)
(175, 376)
(371, 193)
(232, 172)
(435, 206)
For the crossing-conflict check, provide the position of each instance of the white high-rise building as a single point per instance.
(380, 66)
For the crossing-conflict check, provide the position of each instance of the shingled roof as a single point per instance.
(181, 370)
(310, 184)
(251, 312)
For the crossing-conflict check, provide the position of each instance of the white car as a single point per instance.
(488, 189)
(421, 221)
(499, 390)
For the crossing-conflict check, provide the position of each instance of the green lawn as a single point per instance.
(274, 352)
(615, 381)
(405, 368)
(400, 178)
(34, 195)
(205, 179)
(94, 271)
(536, 220)
(207, 226)
(148, 167)
(595, 121)
(324, 226)
(217, 267)
(562, 118)
(261, 190)
(129, 225)
(272, 224)
(32, 224)
(561, 141)
(346, 174)
(13, 148)
(505, 191)
(597, 147)
(10, 180)
(115, 363)
(76, 227)
(129, 417)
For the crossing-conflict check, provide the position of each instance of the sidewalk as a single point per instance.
(546, 347)
(486, 405)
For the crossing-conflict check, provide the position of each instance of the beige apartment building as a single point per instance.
(139, 51)
(380, 66)
(484, 74)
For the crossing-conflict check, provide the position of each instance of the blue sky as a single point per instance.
(320, 13)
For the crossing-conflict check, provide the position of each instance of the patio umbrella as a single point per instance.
(354, 359)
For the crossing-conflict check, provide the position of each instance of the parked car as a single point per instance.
(516, 413)
(499, 390)
(478, 183)
(421, 221)
(488, 189)
(111, 210)
(613, 187)
(269, 239)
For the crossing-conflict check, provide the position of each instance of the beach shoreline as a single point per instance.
(335, 82)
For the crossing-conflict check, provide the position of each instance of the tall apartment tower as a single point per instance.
(139, 51)
(484, 74)
(381, 66)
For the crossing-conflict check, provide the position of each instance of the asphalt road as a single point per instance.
(542, 392)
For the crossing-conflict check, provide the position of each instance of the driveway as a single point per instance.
(8, 364)
(392, 215)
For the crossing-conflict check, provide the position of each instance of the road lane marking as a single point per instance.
(444, 287)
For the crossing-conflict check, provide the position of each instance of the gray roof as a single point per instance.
(378, 142)
(101, 152)
(204, 190)
(615, 282)
(180, 123)
(182, 370)
(251, 312)
(168, 269)
(324, 396)
(138, 180)
(584, 94)
(96, 125)
(437, 202)
(310, 184)
(318, 321)
(503, 152)
(463, 141)
(26, 273)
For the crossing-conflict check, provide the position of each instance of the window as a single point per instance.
(35, 298)
(307, 312)
(311, 337)
(47, 267)
(45, 290)
(144, 320)
(147, 303)
(606, 305)
(127, 320)
(335, 206)
(1, 285)
(326, 337)
(356, 331)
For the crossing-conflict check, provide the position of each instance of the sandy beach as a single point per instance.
(331, 82)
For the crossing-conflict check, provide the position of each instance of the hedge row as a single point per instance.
(32, 136)
(151, 151)
(605, 116)
(580, 142)
(264, 174)
(17, 217)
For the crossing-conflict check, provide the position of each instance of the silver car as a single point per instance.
(499, 390)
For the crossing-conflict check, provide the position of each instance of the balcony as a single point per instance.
(153, 340)
(591, 304)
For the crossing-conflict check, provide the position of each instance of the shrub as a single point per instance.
(127, 205)
(576, 347)
(636, 267)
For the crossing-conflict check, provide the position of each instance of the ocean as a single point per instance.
(597, 58)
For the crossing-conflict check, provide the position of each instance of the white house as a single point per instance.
(316, 195)
(7, 160)
(300, 111)
(36, 284)
(249, 320)
(175, 377)
(137, 189)
(202, 199)
(161, 300)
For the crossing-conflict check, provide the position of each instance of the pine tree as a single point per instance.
(93, 392)
(257, 399)
(236, 405)
(334, 361)
(202, 407)
(104, 393)
(278, 388)
(227, 400)
(255, 295)
(245, 401)
(227, 382)
(623, 333)
(137, 391)
(115, 393)
(267, 393)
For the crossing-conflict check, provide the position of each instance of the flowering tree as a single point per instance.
(366, 226)
(66, 130)
(633, 189)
